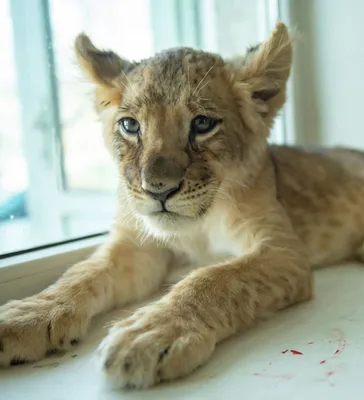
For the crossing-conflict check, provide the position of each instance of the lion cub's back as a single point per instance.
(323, 193)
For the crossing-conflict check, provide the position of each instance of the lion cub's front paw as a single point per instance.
(154, 344)
(34, 327)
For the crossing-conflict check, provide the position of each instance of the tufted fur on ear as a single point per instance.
(105, 69)
(260, 76)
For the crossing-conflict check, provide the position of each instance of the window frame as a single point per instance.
(36, 88)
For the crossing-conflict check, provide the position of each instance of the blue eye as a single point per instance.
(202, 124)
(129, 125)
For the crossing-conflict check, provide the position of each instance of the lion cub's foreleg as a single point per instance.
(173, 336)
(121, 271)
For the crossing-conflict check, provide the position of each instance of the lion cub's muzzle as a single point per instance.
(162, 177)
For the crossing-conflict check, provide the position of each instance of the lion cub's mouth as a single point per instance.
(167, 213)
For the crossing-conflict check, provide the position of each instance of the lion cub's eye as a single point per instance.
(202, 124)
(129, 125)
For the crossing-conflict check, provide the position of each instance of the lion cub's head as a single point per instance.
(184, 124)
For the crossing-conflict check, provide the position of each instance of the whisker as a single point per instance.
(241, 184)
(202, 80)
(124, 85)
(203, 99)
(188, 79)
(204, 85)
(227, 199)
(199, 107)
(131, 85)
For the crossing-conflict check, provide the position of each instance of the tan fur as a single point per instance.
(250, 219)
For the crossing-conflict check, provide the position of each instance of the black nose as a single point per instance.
(164, 195)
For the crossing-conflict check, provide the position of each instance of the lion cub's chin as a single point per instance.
(166, 224)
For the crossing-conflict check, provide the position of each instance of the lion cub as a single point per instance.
(199, 186)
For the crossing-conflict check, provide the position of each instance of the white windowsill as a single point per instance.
(250, 366)
(26, 274)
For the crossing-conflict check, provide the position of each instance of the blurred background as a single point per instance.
(56, 180)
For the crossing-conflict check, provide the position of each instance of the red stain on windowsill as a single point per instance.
(323, 362)
(341, 341)
(330, 373)
(296, 353)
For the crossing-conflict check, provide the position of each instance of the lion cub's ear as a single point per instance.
(264, 71)
(104, 68)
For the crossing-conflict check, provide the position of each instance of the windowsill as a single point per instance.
(26, 274)
(253, 365)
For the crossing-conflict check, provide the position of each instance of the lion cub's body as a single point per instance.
(322, 191)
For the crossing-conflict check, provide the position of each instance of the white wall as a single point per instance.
(329, 71)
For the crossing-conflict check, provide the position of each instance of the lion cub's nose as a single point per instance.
(164, 195)
(162, 177)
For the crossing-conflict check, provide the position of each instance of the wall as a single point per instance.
(328, 80)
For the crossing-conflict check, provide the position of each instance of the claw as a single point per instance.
(163, 354)
(127, 365)
(18, 361)
(129, 386)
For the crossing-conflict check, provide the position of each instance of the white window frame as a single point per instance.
(288, 116)
(25, 274)
(39, 121)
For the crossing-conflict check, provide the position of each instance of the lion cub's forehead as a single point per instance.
(173, 75)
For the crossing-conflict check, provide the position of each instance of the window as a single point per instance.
(56, 180)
